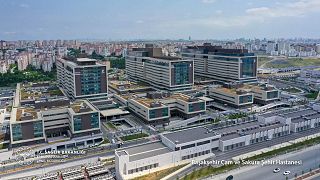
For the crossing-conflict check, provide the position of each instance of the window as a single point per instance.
(152, 114)
(187, 146)
(203, 142)
(165, 112)
(248, 66)
(181, 73)
(77, 123)
(38, 129)
(95, 120)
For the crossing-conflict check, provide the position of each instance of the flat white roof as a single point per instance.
(206, 98)
(85, 59)
(113, 112)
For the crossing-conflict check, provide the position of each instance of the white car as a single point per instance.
(276, 170)
(286, 173)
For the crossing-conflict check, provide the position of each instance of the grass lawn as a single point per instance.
(110, 126)
(312, 95)
(292, 90)
(134, 136)
(262, 60)
(160, 174)
(105, 141)
(293, 62)
(236, 116)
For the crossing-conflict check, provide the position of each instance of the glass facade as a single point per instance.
(90, 81)
(77, 123)
(226, 59)
(193, 109)
(245, 99)
(165, 112)
(272, 94)
(152, 114)
(95, 120)
(38, 129)
(16, 132)
(248, 65)
(181, 73)
(202, 106)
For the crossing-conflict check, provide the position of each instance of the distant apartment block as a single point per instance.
(224, 65)
(161, 72)
(22, 61)
(82, 78)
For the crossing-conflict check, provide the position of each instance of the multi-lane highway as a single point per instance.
(232, 153)
(309, 157)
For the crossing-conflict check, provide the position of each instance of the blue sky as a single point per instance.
(158, 19)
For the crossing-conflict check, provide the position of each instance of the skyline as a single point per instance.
(159, 19)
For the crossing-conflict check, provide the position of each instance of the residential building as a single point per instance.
(23, 62)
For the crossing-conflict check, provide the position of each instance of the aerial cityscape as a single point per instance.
(160, 90)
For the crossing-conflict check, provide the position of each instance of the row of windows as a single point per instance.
(258, 139)
(317, 124)
(143, 168)
(232, 146)
(47, 115)
(281, 134)
(195, 155)
(198, 144)
(303, 128)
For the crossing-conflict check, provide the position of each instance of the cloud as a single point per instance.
(219, 11)
(294, 9)
(24, 5)
(9, 33)
(251, 16)
(208, 1)
(139, 21)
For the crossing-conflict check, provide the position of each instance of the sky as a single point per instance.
(158, 19)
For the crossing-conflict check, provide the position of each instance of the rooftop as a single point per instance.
(85, 59)
(40, 92)
(80, 107)
(26, 114)
(232, 91)
(126, 85)
(189, 135)
(159, 101)
(299, 113)
(145, 150)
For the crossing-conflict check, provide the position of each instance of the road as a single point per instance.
(310, 159)
(69, 163)
(236, 152)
